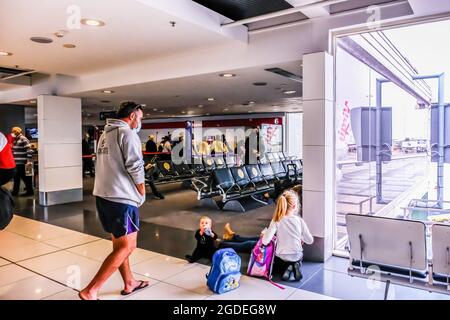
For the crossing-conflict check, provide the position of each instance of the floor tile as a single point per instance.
(343, 286)
(193, 279)
(33, 288)
(72, 240)
(39, 231)
(161, 267)
(12, 273)
(255, 289)
(53, 261)
(3, 262)
(67, 294)
(308, 270)
(336, 264)
(300, 294)
(165, 291)
(78, 277)
(9, 239)
(99, 250)
(19, 252)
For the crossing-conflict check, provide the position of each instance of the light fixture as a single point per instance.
(107, 91)
(226, 109)
(211, 99)
(250, 111)
(227, 75)
(148, 114)
(155, 109)
(143, 105)
(251, 102)
(200, 106)
(207, 114)
(60, 33)
(289, 91)
(183, 112)
(5, 54)
(161, 111)
(69, 46)
(92, 22)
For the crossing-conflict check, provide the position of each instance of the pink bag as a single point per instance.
(261, 261)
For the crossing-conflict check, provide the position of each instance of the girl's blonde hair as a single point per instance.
(287, 200)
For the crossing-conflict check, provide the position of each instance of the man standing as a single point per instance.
(22, 154)
(120, 190)
(150, 146)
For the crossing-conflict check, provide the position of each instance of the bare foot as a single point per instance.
(135, 285)
(86, 295)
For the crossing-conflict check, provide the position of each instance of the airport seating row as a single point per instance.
(202, 167)
(397, 248)
(246, 181)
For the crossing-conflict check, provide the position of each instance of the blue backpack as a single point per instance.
(225, 271)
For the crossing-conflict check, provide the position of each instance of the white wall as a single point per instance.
(294, 134)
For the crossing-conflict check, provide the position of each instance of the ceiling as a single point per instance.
(185, 94)
(137, 33)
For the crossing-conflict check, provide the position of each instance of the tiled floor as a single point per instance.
(41, 261)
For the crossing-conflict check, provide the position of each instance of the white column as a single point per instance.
(318, 154)
(294, 134)
(60, 155)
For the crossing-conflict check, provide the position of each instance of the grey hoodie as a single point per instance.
(119, 165)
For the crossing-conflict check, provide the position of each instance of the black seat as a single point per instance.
(183, 170)
(267, 173)
(242, 179)
(299, 166)
(278, 170)
(230, 161)
(223, 180)
(166, 170)
(289, 168)
(219, 162)
(256, 177)
(209, 164)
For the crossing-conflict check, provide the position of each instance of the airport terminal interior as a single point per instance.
(344, 104)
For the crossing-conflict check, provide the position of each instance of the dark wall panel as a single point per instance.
(11, 116)
(242, 9)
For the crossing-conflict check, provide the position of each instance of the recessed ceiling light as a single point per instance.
(211, 99)
(183, 111)
(41, 40)
(200, 106)
(250, 111)
(227, 75)
(155, 109)
(207, 114)
(143, 105)
(148, 114)
(5, 54)
(92, 22)
(69, 46)
(161, 111)
(226, 109)
(107, 91)
(251, 102)
(289, 91)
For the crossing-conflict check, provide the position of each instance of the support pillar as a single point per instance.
(318, 153)
(60, 155)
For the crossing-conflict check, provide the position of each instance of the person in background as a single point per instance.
(88, 163)
(254, 147)
(166, 148)
(150, 146)
(22, 154)
(7, 163)
(119, 189)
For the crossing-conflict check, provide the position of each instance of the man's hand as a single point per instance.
(141, 188)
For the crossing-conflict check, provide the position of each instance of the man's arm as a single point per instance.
(132, 152)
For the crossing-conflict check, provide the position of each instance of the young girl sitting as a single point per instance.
(291, 231)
